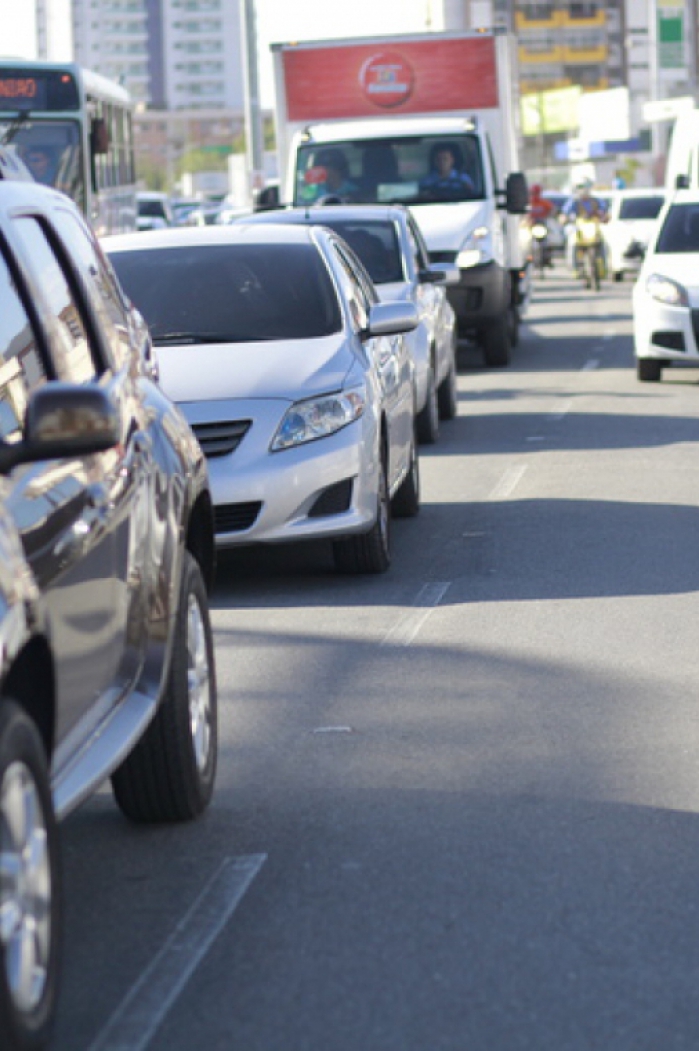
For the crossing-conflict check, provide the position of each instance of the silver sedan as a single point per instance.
(297, 381)
(389, 243)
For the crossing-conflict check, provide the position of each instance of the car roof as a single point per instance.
(15, 192)
(190, 236)
(322, 214)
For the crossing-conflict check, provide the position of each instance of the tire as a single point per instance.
(30, 890)
(648, 370)
(406, 502)
(169, 776)
(447, 397)
(496, 343)
(427, 420)
(513, 321)
(368, 552)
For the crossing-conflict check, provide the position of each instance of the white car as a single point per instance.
(666, 294)
(632, 216)
(389, 243)
(293, 375)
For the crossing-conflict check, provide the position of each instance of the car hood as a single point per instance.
(291, 369)
(446, 226)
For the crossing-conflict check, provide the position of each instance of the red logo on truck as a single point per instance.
(387, 79)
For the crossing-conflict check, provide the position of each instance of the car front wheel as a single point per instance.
(169, 775)
(369, 552)
(648, 370)
(30, 897)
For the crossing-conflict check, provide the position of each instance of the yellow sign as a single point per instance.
(550, 111)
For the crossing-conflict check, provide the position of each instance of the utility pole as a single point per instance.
(253, 113)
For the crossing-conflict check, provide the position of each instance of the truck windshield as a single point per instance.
(406, 170)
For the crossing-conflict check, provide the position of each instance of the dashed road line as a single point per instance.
(406, 628)
(508, 482)
(141, 1012)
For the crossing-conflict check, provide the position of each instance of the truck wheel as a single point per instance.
(30, 893)
(648, 370)
(369, 552)
(428, 417)
(169, 775)
(496, 344)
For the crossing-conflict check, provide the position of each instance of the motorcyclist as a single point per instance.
(584, 205)
(540, 212)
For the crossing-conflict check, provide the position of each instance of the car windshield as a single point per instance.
(231, 293)
(680, 231)
(152, 209)
(414, 169)
(640, 207)
(376, 244)
(52, 152)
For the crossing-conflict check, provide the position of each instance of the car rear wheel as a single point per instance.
(447, 399)
(648, 370)
(169, 775)
(406, 502)
(369, 552)
(30, 896)
(428, 417)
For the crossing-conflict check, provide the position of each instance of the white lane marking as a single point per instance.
(136, 1020)
(564, 409)
(590, 365)
(508, 482)
(406, 628)
(332, 730)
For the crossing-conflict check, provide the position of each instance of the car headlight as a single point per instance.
(665, 290)
(475, 249)
(314, 418)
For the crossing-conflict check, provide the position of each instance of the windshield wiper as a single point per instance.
(193, 337)
(13, 127)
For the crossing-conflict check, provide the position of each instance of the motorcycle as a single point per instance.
(542, 253)
(588, 248)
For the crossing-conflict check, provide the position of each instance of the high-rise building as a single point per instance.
(181, 61)
(170, 54)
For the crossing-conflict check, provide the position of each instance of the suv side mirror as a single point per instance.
(682, 182)
(516, 194)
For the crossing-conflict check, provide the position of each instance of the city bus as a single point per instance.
(72, 128)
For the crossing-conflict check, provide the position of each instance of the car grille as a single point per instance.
(234, 518)
(222, 438)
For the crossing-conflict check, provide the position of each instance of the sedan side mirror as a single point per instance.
(391, 319)
(440, 274)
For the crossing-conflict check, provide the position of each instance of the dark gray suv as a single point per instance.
(106, 556)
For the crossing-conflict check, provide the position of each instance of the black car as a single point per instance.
(106, 558)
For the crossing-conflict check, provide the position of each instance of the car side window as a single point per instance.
(104, 293)
(72, 352)
(21, 366)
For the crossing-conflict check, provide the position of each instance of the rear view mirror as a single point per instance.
(516, 194)
(266, 199)
(391, 319)
(682, 182)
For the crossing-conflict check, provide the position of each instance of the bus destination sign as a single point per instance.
(37, 91)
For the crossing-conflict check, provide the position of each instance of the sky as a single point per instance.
(277, 20)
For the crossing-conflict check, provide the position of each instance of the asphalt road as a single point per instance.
(457, 804)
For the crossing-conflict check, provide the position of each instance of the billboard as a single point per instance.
(361, 80)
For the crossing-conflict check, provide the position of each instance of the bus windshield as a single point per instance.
(416, 169)
(52, 152)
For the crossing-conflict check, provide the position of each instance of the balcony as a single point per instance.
(583, 22)
(588, 55)
(534, 56)
(553, 21)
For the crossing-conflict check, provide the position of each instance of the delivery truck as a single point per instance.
(429, 121)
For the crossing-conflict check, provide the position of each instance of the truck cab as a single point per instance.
(445, 170)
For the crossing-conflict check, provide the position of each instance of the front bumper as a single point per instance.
(482, 295)
(667, 333)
